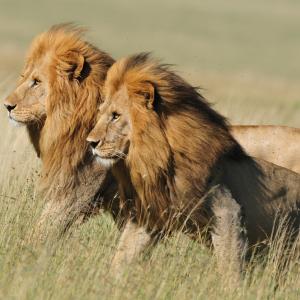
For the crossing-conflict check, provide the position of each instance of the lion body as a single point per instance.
(180, 148)
(277, 144)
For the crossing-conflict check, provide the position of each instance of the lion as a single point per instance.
(277, 144)
(178, 167)
(56, 98)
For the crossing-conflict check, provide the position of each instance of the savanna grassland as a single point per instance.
(245, 56)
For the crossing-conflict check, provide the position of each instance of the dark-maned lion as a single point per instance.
(56, 98)
(177, 163)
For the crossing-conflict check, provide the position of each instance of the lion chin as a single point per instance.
(107, 163)
(16, 123)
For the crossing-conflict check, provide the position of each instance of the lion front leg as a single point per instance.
(47, 223)
(133, 241)
(55, 221)
(46, 220)
(228, 235)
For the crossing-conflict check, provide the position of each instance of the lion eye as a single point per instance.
(115, 116)
(35, 82)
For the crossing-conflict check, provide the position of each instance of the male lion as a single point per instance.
(56, 98)
(177, 165)
(277, 144)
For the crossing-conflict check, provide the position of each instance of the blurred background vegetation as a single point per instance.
(243, 53)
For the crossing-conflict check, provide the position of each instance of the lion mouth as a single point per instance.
(24, 119)
(102, 155)
(105, 160)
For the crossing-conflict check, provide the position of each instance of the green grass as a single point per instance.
(244, 54)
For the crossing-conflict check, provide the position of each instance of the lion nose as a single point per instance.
(94, 144)
(94, 141)
(9, 107)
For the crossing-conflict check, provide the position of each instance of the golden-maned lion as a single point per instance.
(56, 98)
(277, 144)
(178, 165)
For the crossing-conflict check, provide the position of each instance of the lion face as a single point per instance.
(26, 104)
(110, 138)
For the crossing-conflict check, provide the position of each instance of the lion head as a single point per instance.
(110, 138)
(46, 59)
(26, 105)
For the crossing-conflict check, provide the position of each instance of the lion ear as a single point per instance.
(78, 66)
(148, 92)
(73, 63)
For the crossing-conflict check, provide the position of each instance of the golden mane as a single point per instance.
(72, 102)
(159, 139)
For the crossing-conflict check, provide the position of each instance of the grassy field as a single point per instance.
(244, 54)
